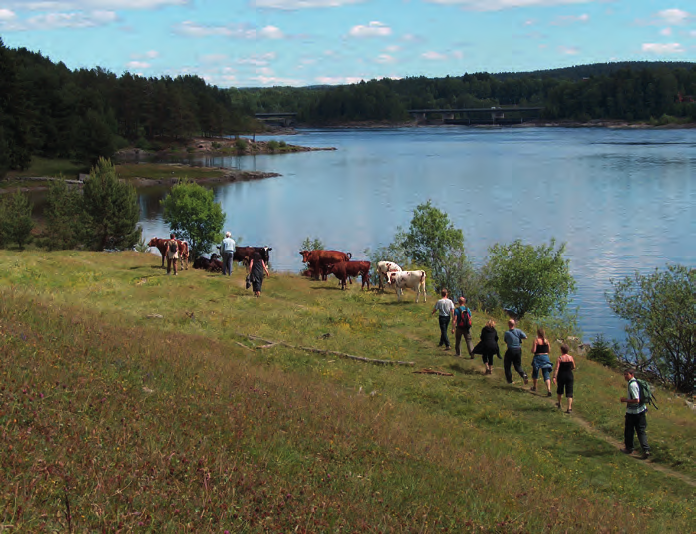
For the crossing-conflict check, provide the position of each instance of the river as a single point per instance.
(622, 200)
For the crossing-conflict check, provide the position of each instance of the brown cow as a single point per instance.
(161, 245)
(345, 269)
(318, 260)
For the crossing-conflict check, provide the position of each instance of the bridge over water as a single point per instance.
(493, 115)
(281, 118)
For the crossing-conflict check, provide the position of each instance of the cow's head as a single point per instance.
(265, 254)
(391, 277)
(153, 242)
(305, 255)
(330, 268)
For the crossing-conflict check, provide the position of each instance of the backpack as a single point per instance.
(464, 321)
(645, 393)
(173, 246)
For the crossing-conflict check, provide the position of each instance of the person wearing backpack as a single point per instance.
(462, 327)
(513, 355)
(636, 421)
(172, 253)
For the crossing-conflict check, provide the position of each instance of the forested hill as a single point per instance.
(578, 72)
(49, 110)
(636, 91)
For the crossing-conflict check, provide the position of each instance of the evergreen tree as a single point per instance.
(16, 220)
(111, 210)
(63, 214)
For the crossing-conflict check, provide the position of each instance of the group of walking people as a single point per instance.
(488, 348)
(562, 371)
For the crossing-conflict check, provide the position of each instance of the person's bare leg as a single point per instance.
(570, 403)
(548, 386)
(558, 404)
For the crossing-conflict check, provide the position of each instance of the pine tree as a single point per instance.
(111, 210)
(16, 221)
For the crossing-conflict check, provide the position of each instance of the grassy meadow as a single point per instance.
(132, 401)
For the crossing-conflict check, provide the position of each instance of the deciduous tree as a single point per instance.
(16, 221)
(660, 308)
(530, 279)
(192, 213)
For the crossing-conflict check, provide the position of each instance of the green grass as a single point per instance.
(157, 171)
(183, 423)
(49, 167)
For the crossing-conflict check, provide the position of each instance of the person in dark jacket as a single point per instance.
(256, 269)
(489, 345)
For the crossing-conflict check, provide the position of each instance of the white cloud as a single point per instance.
(496, 5)
(433, 56)
(392, 48)
(663, 48)
(570, 19)
(338, 80)
(373, 29)
(138, 65)
(69, 20)
(258, 59)
(152, 54)
(214, 58)
(70, 5)
(275, 80)
(458, 54)
(673, 17)
(301, 4)
(666, 31)
(270, 32)
(236, 31)
(6, 14)
(569, 50)
(692, 33)
(385, 58)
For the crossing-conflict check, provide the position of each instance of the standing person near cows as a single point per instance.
(636, 421)
(444, 307)
(513, 355)
(172, 253)
(462, 327)
(256, 269)
(227, 250)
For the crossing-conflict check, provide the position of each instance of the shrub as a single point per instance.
(603, 352)
(16, 222)
(273, 146)
(241, 144)
(282, 144)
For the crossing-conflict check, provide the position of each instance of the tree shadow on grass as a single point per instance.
(325, 288)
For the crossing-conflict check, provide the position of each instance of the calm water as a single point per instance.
(622, 200)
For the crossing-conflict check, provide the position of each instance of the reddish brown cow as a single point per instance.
(344, 269)
(318, 260)
(161, 245)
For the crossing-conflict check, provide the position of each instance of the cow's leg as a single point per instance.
(163, 260)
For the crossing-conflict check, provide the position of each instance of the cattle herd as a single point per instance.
(320, 264)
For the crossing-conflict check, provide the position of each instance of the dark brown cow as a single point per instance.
(244, 254)
(345, 269)
(161, 245)
(212, 264)
(318, 260)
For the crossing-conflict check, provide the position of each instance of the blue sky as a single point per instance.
(253, 43)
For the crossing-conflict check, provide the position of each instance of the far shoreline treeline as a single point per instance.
(50, 111)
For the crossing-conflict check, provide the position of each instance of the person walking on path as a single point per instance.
(563, 377)
(488, 346)
(227, 250)
(461, 326)
(636, 421)
(256, 269)
(541, 361)
(444, 307)
(513, 355)
(172, 254)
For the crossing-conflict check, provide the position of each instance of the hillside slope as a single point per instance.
(133, 401)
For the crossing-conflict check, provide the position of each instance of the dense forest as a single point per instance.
(49, 110)
(639, 91)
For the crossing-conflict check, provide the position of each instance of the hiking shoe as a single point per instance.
(526, 380)
(626, 451)
(558, 405)
(548, 394)
(646, 455)
(569, 411)
(532, 388)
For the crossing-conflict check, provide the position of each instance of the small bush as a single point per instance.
(190, 149)
(241, 144)
(282, 144)
(273, 146)
(215, 145)
(603, 352)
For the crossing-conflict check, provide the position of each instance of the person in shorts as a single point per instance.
(563, 378)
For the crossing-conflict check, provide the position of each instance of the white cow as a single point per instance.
(383, 268)
(412, 279)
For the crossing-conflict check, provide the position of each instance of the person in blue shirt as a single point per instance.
(513, 355)
(227, 250)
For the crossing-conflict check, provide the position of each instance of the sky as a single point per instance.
(263, 43)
